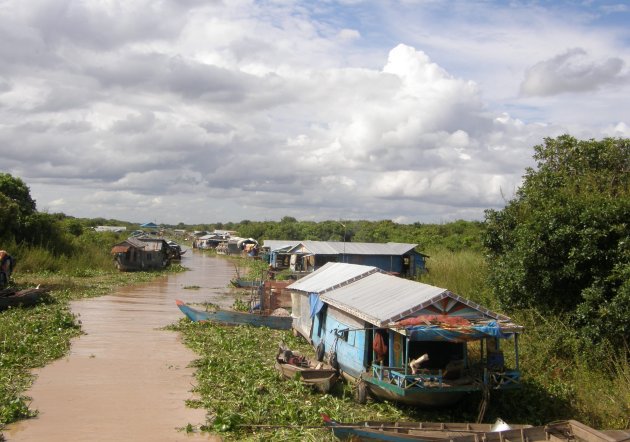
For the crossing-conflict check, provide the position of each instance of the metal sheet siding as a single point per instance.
(300, 308)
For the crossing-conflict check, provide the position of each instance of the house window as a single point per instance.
(346, 336)
(343, 335)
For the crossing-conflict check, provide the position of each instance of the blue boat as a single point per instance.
(228, 317)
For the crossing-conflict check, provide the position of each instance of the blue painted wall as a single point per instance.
(351, 353)
(391, 263)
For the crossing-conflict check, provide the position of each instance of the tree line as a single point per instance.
(561, 245)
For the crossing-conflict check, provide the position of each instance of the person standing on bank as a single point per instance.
(6, 268)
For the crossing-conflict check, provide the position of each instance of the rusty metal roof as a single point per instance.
(120, 249)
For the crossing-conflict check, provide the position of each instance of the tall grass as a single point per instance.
(462, 272)
(561, 378)
(87, 254)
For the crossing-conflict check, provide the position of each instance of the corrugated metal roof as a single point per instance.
(374, 296)
(276, 244)
(340, 247)
(135, 242)
(379, 298)
(153, 244)
(332, 275)
(356, 248)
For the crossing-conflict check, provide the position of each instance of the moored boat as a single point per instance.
(20, 298)
(292, 365)
(229, 317)
(563, 431)
(244, 283)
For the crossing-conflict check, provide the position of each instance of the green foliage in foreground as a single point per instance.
(246, 398)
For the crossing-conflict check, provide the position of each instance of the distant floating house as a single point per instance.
(307, 256)
(115, 229)
(402, 340)
(241, 246)
(135, 254)
(149, 225)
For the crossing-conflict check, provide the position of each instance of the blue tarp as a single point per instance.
(456, 334)
(315, 303)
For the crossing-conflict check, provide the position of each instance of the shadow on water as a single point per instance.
(127, 378)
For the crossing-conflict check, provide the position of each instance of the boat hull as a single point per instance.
(428, 397)
(243, 283)
(562, 431)
(20, 298)
(236, 318)
(321, 379)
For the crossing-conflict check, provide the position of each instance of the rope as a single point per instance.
(485, 398)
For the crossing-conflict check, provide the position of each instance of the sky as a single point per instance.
(202, 111)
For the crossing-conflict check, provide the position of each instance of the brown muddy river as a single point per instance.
(126, 379)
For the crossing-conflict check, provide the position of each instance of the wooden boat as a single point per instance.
(294, 366)
(20, 298)
(236, 318)
(563, 431)
(244, 283)
(175, 251)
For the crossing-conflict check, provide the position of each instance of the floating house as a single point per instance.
(241, 246)
(402, 340)
(209, 241)
(115, 229)
(307, 256)
(141, 254)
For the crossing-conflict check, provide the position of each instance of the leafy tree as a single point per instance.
(14, 189)
(73, 226)
(563, 243)
(16, 206)
(9, 217)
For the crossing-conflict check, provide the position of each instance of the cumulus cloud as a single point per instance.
(572, 71)
(218, 111)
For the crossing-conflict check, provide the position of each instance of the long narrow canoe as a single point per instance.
(244, 283)
(228, 317)
(563, 431)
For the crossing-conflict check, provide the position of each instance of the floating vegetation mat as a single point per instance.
(245, 396)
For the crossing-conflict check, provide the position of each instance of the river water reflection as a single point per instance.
(126, 379)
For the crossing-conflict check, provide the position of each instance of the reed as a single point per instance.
(463, 272)
(563, 377)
